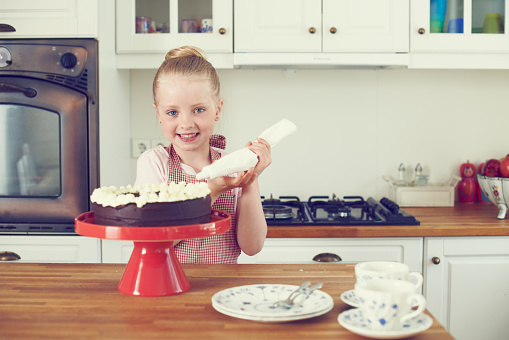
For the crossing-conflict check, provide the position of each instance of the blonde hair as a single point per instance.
(187, 61)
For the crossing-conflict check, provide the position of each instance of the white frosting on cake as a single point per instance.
(141, 195)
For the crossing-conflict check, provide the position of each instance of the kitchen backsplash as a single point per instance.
(354, 125)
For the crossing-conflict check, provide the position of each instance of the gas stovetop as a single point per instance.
(325, 210)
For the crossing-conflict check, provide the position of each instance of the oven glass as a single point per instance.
(29, 152)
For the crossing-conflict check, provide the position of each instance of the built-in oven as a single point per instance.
(48, 133)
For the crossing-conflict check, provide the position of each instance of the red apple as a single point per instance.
(491, 168)
(504, 167)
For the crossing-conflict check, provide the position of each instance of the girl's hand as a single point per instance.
(220, 185)
(262, 149)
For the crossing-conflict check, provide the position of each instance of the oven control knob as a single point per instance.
(68, 60)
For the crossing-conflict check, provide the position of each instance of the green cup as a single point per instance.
(436, 26)
(493, 23)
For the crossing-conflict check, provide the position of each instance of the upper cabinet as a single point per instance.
(467, 26)
(48, 19)
(157, 26)
(359, 26)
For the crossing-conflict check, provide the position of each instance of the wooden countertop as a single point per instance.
(81, 301)
(473, 219)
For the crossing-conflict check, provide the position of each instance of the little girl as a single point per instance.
(187, 102)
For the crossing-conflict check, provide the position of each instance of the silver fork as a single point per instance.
(288, 302)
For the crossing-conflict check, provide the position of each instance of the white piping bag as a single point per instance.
(243, 159)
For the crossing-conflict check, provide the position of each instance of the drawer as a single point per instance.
(350, 250)
(64, 248)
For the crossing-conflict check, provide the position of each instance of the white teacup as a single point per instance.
(386, 303)
(366, 271)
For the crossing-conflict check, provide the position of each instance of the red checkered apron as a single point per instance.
(221, 248)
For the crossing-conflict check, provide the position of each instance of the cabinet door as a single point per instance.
(114, 251)
(48, 19)
(303, 250)
(278, 26)
(53, 248)
(365, 25)
(459, 26)
(467, 291)
(156, 26)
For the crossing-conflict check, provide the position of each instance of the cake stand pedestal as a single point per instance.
(153, 269)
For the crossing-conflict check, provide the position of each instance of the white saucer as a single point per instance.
(256, 301)
(353, 320)
(274, 319)
(350, 298)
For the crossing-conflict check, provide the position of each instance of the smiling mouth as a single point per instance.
(188, 136)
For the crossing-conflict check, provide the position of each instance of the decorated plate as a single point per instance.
(350, 298)
(353, 320)
(258, 301)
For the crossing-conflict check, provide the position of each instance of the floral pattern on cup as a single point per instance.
(386, 304)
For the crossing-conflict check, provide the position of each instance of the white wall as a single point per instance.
(354, 125)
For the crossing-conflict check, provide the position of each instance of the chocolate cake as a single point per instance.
(150, 206)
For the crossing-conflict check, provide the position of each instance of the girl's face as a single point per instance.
(187, 111)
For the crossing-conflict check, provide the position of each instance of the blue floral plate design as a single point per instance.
(256, 301)
(353, 320)
(350, 298)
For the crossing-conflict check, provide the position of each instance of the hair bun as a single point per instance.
(185, 51)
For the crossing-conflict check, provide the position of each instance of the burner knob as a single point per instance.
(68, 60)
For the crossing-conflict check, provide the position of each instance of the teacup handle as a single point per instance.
(415, 276)
(414, 300)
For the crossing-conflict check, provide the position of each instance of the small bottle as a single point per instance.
(401, 176)
(418, 175)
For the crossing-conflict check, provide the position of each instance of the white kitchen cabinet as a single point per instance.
(64, 248)
(407, 250)
(466, 285)
(429, 36)
(48, 19)
(321, 26)
(116, 251)
(167, 22)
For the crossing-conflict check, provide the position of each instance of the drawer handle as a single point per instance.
(222, 31)
(435, 260)
(7, 28)
(312, 30)
(421, 31)
(9, 256)
(333, 30)
(327, 257)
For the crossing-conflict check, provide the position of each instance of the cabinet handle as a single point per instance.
(7, 28)
(333, 30)
(9, 256)
(421, 31)
(435, 260)
(327, 257)
(222, 30)
(312, 30)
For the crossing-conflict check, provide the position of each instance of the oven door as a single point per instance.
(43, 154)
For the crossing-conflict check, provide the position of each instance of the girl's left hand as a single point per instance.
(262, 149)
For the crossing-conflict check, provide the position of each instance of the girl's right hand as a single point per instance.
(223, 184)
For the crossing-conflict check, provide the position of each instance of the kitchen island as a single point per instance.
(66, 301)
(464, 219)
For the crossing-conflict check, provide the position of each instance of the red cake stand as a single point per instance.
(153, 269)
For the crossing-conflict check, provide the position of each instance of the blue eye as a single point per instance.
(199, 110)
(172, 113)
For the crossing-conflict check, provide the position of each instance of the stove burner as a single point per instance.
(277, 211)
(333, 211)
